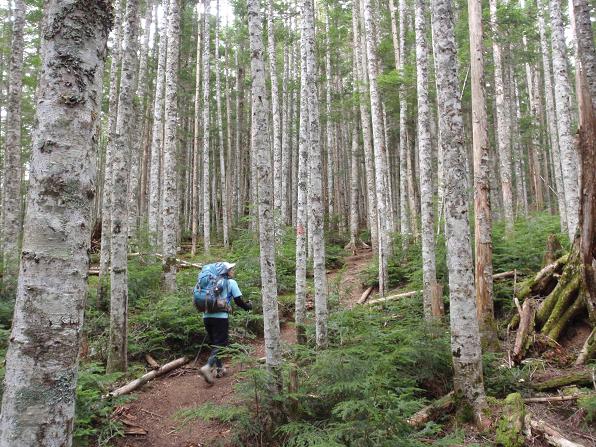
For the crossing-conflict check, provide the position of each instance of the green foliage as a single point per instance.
(588, 404)
(93, 422)
(211, 412)
(500, 380)
(378, 371)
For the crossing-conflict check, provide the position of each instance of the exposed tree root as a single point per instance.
(525, 331)
(589, 349)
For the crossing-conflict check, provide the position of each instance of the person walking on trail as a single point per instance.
(213, 295)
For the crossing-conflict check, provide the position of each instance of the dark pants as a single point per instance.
(217, 328)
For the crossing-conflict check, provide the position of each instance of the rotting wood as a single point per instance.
(541, 280)
(365, 295)
(583, 377)
(131, 386)
(505, 275)
(444, 405)
(525, 331)
(151, 361)
(552, 435)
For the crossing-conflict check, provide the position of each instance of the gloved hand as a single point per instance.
(248, 306)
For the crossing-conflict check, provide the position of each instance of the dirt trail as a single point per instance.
(156, 404)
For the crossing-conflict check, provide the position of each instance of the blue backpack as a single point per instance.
(209, 290)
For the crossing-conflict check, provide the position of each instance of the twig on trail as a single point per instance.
(551, 399)
(152, 414)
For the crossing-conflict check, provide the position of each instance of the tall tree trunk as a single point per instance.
(329, 128)
(41, 363)
(196, 142)
(222, 162)
(482, 212)
(157, 134)
(170, 193)
(106, 209)
(315, 186)
(520, 183)
(429, 276)
(552, 121)
(569, 161)
(206, 131)
(260, 143)
(405, 229)
(465, 336)
(302, 192)
(12, 153)
(140, 124)
(121, 150)
(275, 109)
(384, 249)
(369, 165)
(286, 138)
(503, 128)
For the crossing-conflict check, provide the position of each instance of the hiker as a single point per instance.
(213, 293)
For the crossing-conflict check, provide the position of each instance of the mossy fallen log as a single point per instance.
(540, 283)
(511, 424)
(562, 295)
(559, 323)
(582, 378)
(551, 434)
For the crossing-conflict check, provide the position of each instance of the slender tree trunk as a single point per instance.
(222, 162)
(520, 184)
(121, 150)
(12, 151)
(429, 276)
(170, 194)
(41, 363)
(503, 128)
(329, 128)
(315, 187)
(482, 208)
(206, 131)
(157, 134)
(465, 336)
(260, 143)
(384, 248)
(140, 124)
(196, 142)
(569, 159)
(552, 122)
(404, 219)
(373, 222)
(286, 139)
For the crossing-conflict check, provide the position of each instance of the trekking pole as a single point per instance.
(194, 363)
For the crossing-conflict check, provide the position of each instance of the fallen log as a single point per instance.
(553, 399)
(525, 331)
(394, 297)
(562, 295)
(444, 405)
(414, 292)
(504, 275)
(583, 377)
(93, 272)
(550, 433)
(151, 361)
(131, 386)
(559, 323)
(365, 295)
(541, 281)
(588, 350)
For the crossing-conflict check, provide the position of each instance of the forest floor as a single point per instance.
(156, 405)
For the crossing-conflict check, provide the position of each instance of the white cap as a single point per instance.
(229, 266)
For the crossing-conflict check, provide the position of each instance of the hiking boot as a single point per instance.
(221, 372)
(205, 371)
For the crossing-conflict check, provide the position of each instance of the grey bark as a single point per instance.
(170, 193)
(569, 157)
(157, 134)
(11, 192)
(315, 186)
(429, 276)
(465, 336)
(260, 144)
(206, 130)
(196, 142)
(41, 363)
(121, 150)
(222, 163)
